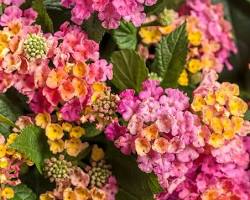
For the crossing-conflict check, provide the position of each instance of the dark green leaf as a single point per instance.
(126, 36)
(94, 28)
(22, 192)
(32, 142)
(36, 181)
(133, 183)
(91, 130)
(43, 18)
(9, 111)
(171, 55)
(247, 115)
(129, 70)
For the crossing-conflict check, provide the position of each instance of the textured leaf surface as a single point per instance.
(133, 183)
(126, 36)
(94, 28)
(7, 110)
(43, 18)
(6, 121)
(171, 55)
(129, 70)
(91, 131)
(32, 142)
(22, 192)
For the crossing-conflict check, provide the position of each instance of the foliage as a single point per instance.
(22, 192)
(9, 113)
(133, 183)
(32, 143)
(171, 55)
(126, 36)
(129, 70)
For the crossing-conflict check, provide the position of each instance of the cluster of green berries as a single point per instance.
(57, 169)
(99, 174)
(35, 47)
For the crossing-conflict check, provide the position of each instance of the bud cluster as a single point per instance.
(57, 169)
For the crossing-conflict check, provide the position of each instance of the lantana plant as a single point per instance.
(123, 99)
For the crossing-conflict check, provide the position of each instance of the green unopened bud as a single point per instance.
(99, 174)
(167, 17)
(35, 47)
(196, 78)
(57, 169)
(154, 76)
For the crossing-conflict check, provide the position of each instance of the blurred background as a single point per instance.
(238, 12)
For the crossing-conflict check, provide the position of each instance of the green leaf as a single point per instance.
(36, 181)
(91, 130)
(133, 183)
(8, 111)
(129, 70)
(126, 36)
(6, 121)
(247, 115)
(171, 55)
(94, 28)
(22, 192)
(32, 143)
(161, 4)
(43, 18)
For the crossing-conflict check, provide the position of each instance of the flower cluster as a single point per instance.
(195, 156)
(102, 107)
(221, 175)
(220, 109)
(11, 161)
(62, 135)
(49, 70)
(160, 130)
(73, 183)
(110, 12)
(209, 35)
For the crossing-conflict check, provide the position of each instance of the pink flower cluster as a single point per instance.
(217, 38)
(110, 12)
(49, 69)
(170, 141)
(12, 2)
(160, 130)
(221, 175)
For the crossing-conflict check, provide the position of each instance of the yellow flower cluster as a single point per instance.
(7, 193)
(78, 193)
(153, 34)
(62, 136)
(222, 111)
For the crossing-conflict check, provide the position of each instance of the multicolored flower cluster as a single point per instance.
(49, 70)
(220, 109)
(160, 130)
(110, 12)
(217, 174)
(11, 161)
(73, 183)
(102, 107)
(209, 35)
(194, 156)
